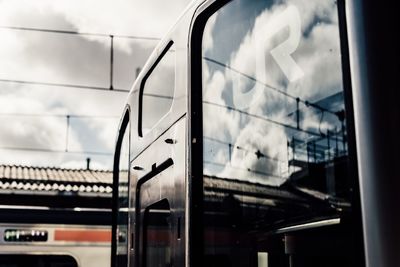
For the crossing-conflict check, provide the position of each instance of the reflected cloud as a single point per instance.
(275, 85)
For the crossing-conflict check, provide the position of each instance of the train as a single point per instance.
(263, 133)
(37, 236)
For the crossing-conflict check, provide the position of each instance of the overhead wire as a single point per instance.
(258, 153)
(153, 95)
(87, 87)
(99, 88)
(58, 115)
(266, 85)
(262, 118)
(79, 33)
(55, 150)
(68, 117)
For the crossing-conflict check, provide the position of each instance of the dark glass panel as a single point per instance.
(158, 91)
(277, 188)
(157, 235)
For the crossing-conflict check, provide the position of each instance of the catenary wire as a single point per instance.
(99, 153)
(307, 103)
(79, 33)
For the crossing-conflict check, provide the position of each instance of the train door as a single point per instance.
(273, 121)
(158, 221)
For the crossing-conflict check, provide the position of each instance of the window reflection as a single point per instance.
(288, 104)
(158, 91)
(275, 140)
(157, 235)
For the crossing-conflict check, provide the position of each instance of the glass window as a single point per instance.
(123, 201)
(277, 187)
(18, 260)
(158, 91)
(157, 235)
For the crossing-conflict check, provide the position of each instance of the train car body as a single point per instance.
(252, 138)
(54, 245)
(46, 236)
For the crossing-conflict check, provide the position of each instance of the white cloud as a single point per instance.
(72, 59)
(144, 18)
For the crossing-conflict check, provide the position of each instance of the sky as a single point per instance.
(34, 117)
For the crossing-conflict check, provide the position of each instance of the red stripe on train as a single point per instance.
(83, 235)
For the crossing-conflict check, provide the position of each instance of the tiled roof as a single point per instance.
(244, 187)
(57, 180)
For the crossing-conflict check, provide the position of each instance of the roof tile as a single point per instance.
(44, 179)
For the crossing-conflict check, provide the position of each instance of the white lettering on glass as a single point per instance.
(281, 53)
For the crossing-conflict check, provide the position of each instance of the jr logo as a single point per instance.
(281, 53)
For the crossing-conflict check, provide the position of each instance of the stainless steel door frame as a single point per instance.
(161, 174)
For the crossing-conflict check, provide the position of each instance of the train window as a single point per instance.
(157, 231)
(18, 260)
(158, 91)
(277, 184)
(122, 220)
